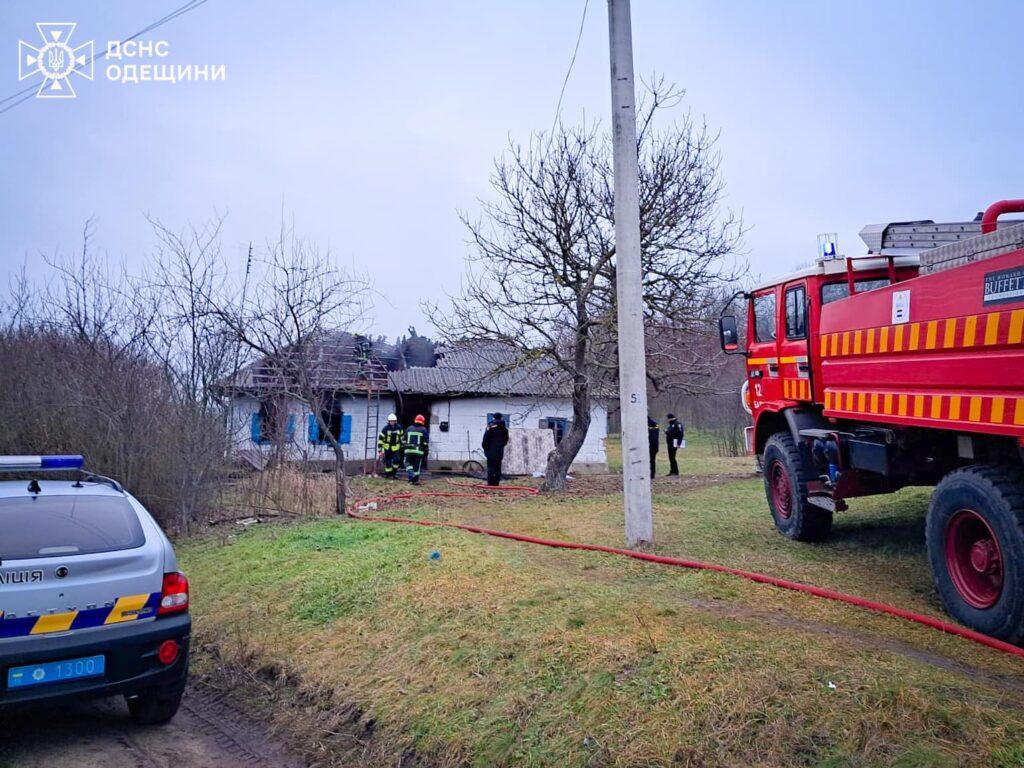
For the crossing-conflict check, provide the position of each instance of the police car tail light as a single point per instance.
(174, 597)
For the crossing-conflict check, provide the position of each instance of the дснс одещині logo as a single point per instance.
(56, 60)
(128, 62)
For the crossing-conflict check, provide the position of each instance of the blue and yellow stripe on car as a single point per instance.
(128, 608)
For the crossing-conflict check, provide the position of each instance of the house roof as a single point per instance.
(340, 360)
(467, 368)
(483, 368)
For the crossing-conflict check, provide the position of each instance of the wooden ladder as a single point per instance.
(372, 430)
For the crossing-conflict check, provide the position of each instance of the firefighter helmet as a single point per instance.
(392, 417)
(420, 420)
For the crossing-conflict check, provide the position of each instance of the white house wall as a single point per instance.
(467, 417)
(299, 447)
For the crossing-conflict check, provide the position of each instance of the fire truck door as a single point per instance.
(763, 347)
(794, 364)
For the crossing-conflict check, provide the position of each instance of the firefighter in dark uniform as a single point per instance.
(389, 446)
(494, 442)
(415, 449)
(653, 434)
(675, 434)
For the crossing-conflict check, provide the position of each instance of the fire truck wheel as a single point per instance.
(785, 484)
(975, 534)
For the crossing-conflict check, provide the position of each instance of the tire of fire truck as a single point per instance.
(975, 535)
(785, 485)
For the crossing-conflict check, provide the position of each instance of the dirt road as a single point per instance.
(206, 733)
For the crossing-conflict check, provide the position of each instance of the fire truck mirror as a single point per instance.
(728, 333)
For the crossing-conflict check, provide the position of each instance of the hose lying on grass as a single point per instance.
(357, 510)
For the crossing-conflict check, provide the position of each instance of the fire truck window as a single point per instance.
(796, 313)
(863, 286)
(835, 291)
(764, 317)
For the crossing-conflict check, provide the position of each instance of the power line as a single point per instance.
(572, 63)
(189, 6)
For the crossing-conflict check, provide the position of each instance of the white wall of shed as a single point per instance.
(467, 417)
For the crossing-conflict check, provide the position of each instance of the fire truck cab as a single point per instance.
(901, 367)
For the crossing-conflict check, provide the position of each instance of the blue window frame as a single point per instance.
(340, 424)
(264, 424)
(559, 426)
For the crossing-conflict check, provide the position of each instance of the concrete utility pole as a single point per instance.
(636, 471)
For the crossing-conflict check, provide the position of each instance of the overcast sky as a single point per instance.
(373, 123)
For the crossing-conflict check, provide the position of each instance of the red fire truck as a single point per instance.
(902, 367)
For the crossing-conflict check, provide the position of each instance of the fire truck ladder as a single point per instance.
(946, 245)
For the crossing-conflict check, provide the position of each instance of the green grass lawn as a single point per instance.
(698, 458)
(503, 653)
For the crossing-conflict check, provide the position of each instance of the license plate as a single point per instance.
(56, 671)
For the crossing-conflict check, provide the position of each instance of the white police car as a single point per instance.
(91, 600)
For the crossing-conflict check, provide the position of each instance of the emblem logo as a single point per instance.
(56, 60)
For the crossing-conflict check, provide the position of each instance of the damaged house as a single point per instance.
(456, 387)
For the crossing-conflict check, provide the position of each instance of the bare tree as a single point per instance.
(80, 375)
(542, 278)
(683, 353)
(295, 302)
(193, 346)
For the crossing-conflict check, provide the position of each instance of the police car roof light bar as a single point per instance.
(41, 463)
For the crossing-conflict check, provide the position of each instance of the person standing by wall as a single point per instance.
(416, 445)
(653, 434)
(389, 446)
(494, 442)
(675, 437)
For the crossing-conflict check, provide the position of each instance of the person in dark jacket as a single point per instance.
(494, 442)
(653, 434)
(416, 446)
(675, 437)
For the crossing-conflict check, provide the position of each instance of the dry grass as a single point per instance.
(507, 654)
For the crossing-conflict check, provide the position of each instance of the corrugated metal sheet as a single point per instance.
(1003, 240)
(485, 368)
(457, 381)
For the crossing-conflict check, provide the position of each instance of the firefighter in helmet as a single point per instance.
(389, 446)
(416, 444)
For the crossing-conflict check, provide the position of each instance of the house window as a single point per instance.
(764, 317)
(796, 313)
(558, 425)
(338, 423)
(269, 425)
(333, 420)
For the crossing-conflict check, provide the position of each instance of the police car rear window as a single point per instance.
(58, 526)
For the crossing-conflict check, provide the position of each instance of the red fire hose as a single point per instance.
(484, 492)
